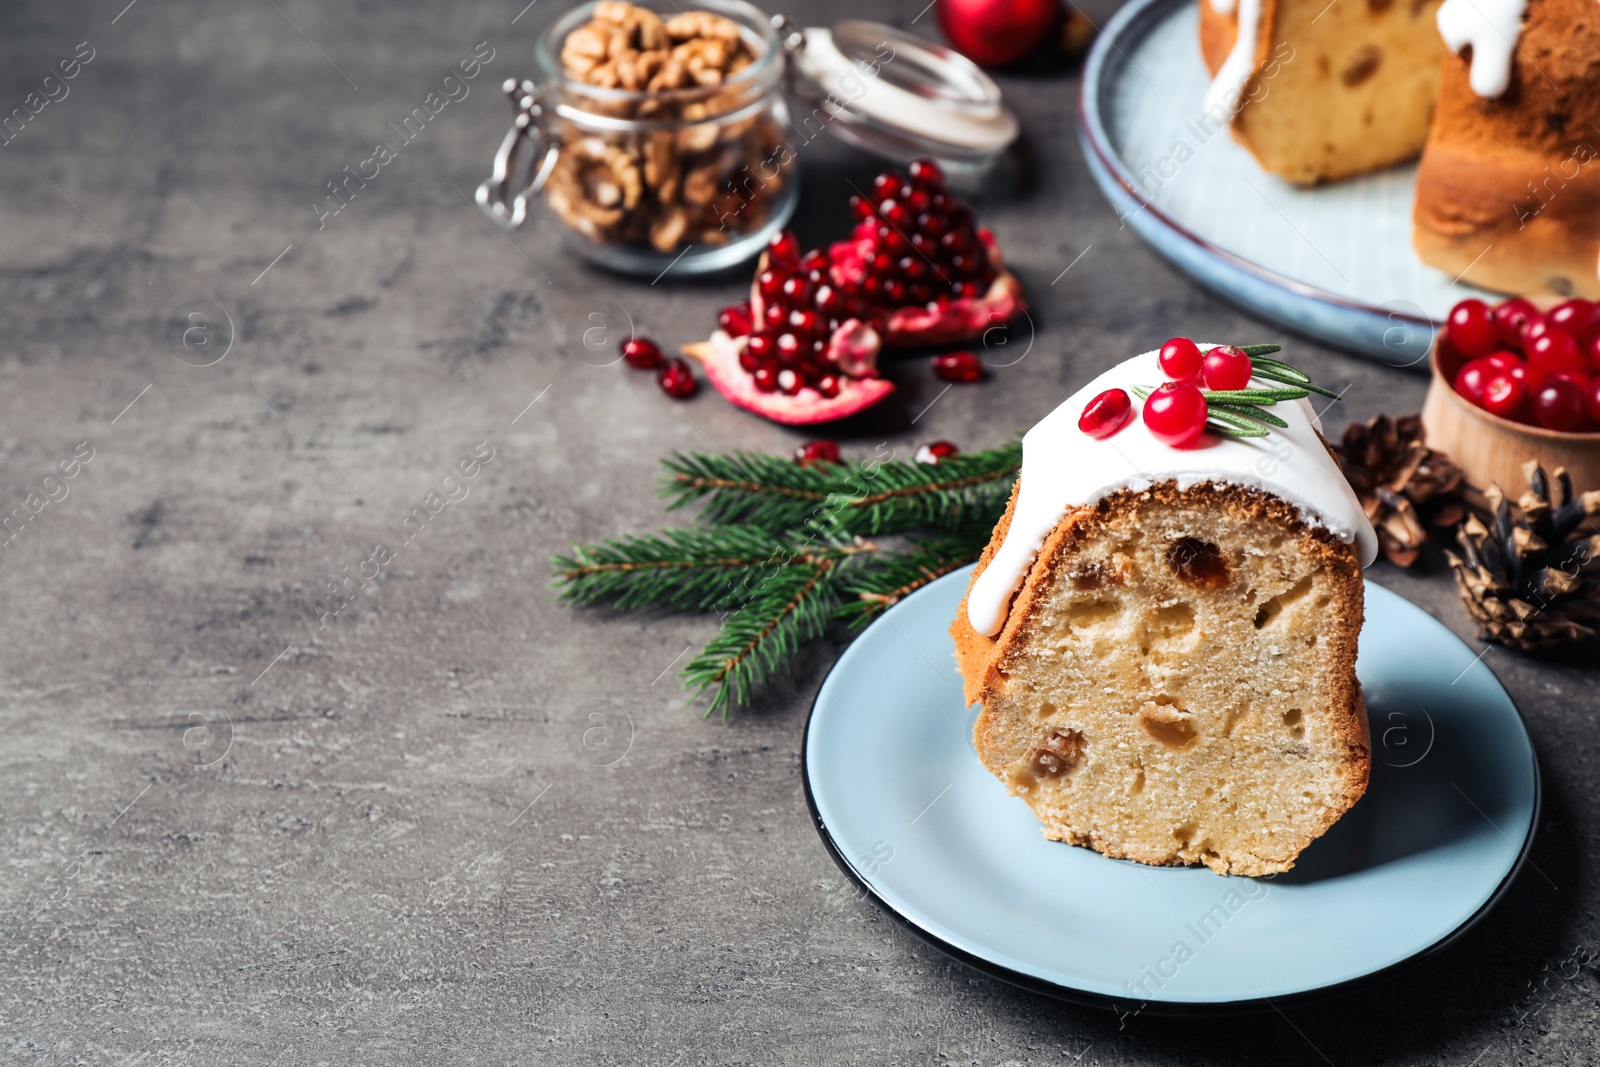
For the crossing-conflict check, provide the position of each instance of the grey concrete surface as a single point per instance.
(398, 849)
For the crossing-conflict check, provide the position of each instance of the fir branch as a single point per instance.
(883, 581)
(841, 499)
(694, 569)
(789, 609)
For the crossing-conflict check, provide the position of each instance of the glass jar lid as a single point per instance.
(898, 95)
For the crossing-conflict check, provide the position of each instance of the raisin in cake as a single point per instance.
(1164, 640)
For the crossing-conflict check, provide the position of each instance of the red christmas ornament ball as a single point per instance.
(995, 33)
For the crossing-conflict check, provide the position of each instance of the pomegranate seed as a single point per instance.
(1180, 358)
(958, 367)
(1555, 350)
(1106, 414)
(829, 300)
(749, 361)
(788, 347)
(860, 209)
(814, 260)
(1472, 328)
(783, 250)
(769, 283)
(887, 184)
(1503, 395)
(895, 292)
(827, 384)
(823, 451)
(797, 290)
(789, 382)
(774, 316)
(804, 323)
(1176, 413)
(735, 321)
(676, 379)
(766, 378)
(1472, 377)
(1226, 367)
(926, 173)
(934, 451)
(641, 353)
(1558, 405)
(760, 345)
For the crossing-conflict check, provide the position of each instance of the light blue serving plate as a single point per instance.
(1334, 263)
(909, 813)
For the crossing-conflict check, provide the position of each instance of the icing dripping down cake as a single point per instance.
(1500, 97)
(1164, 639)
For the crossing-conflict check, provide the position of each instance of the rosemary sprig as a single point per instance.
(1240, 412)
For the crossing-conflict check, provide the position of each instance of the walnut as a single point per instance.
(673, 185)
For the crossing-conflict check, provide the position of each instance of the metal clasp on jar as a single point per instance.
(523, 163)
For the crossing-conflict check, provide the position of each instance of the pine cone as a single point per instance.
(1403, 485)
(1530, 579)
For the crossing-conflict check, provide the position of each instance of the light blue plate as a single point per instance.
(1334, 263)
(907, 810)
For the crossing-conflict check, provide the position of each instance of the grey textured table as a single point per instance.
(404, 854)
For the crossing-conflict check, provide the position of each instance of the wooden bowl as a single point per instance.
(1492, 450)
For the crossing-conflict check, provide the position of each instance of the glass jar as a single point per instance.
(693, 175)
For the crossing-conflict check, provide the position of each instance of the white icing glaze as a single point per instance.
(1491, 28)
(1227, 88)
(1064, 468)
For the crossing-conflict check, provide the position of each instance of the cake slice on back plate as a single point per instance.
(1319, 91)
(1163, 639)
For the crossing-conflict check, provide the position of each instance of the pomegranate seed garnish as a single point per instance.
(749, 361)
(1472, 328)
(887, 184)
(1175, 413)
(774, 316)
(1106, 414)
(766, 378)
(1180, 358)
(1558, 405)
(641, 353)
(827, 384)
(860, 209)
(934, 451)
(816, 259)
(958, 367)
(735, 321)
(676, 379)
(823, 451)
(1503, 395)
(784, 249)
(761, 346)
(789, 382)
